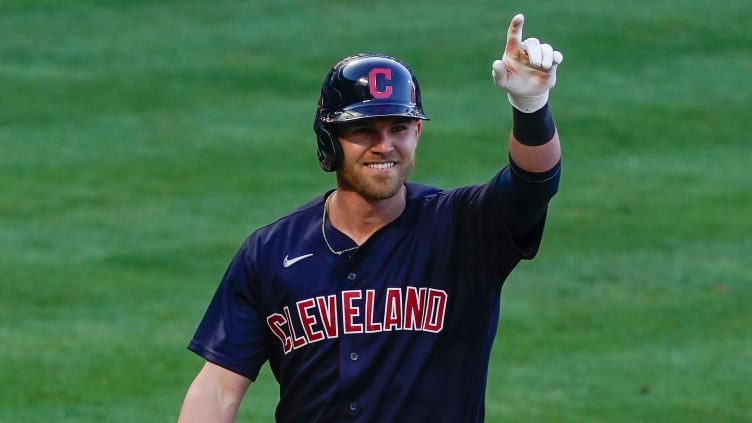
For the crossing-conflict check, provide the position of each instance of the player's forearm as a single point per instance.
(532, 178)
(214, 396)
(203, 405)
(525, 196)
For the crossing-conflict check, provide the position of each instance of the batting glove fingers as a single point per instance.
(527, 69)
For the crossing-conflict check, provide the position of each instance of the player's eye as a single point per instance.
(363, 130)
(357, 130)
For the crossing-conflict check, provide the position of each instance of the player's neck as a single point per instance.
(358, 217)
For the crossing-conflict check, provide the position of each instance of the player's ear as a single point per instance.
(418, 128)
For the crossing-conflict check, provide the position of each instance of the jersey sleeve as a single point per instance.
(503, 220)
(523, 199)
(496, 225)
(232, 332)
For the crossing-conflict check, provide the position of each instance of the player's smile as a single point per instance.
(382, 166)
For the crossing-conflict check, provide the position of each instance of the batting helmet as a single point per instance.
(360, 87)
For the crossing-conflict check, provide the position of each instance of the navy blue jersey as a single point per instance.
(397, 330)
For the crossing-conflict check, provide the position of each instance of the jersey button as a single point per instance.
(354, 356)
(353, 406)
(352, 276)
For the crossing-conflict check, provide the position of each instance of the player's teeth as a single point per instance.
(380, 165)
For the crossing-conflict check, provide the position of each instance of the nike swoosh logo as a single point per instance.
(287, 262)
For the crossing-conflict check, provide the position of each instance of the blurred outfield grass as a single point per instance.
(141, 141)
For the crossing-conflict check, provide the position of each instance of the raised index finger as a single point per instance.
(514, 34)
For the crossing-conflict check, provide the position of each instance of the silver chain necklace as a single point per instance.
(323, 229)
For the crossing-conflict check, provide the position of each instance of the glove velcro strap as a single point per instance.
(533, 129)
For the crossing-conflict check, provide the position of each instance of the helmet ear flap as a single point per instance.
(329, 151)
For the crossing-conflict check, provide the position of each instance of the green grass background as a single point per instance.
(141, 141)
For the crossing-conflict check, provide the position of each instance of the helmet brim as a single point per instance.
(365, 111)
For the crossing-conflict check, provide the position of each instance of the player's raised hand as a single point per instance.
(527, 70)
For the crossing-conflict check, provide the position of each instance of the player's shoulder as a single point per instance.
(425, 194)
(419, 192)
(298, 221)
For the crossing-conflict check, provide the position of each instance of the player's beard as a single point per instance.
(375, 187)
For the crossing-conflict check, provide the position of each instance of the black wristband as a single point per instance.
(533, 129)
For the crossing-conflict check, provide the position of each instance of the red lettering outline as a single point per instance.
(393, 309)
(371, 326)
(349, 312)
(328, 313)
(275, 322)
(297, 342)
(435, 311)
(415, 300)
(308, 321)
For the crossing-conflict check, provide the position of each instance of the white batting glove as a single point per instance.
(527, 70)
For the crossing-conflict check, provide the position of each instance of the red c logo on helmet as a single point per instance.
(373, 87)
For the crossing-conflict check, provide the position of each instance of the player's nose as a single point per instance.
(383, 141)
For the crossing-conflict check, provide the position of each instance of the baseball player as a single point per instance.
(378, 301)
